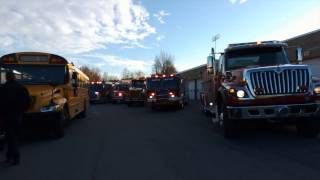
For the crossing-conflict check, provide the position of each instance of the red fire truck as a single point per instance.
(256, 82)
(119, 92)
(100, 92)
(165, 90)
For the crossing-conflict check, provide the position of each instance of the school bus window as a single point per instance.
(34, 58)
(34, 74)
(75, 79)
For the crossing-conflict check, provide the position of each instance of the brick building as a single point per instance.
(310, 42)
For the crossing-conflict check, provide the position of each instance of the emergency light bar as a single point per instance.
(96, 82)
(256, 43)
(162, 75)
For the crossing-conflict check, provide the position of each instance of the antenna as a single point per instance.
(215, 38)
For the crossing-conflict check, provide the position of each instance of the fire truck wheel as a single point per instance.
(181, 105)
(228, 125)
(153, 107)
(129, 104)
(308, 128)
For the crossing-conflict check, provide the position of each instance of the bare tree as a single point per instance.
(164, 64)
(109, 78)
(126, 74)
(94, 74)
(138, 74)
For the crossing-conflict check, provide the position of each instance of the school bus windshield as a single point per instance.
(44, 74)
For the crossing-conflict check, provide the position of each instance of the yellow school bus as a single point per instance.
(58, 90)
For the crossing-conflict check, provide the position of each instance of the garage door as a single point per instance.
(199, 88)
(191, 86)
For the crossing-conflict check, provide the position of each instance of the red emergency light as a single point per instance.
(162, 75)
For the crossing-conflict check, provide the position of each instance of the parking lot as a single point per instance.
(120, 142)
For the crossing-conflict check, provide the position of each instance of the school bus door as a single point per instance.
(74, 100)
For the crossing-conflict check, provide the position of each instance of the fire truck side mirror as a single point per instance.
(210, 64)
(299, 55)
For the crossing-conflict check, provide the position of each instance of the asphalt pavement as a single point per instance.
(116, 142)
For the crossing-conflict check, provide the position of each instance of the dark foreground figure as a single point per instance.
(15, 100)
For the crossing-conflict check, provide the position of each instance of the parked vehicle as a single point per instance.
(255, 81)
(165, 90)
(137, 92)
(119, 92)
(100, 92)
(59, 90)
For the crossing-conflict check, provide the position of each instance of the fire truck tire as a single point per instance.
(181, 105)
(228, 125)
(308, 128)
(129, 104)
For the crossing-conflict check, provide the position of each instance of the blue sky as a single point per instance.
(117, 34)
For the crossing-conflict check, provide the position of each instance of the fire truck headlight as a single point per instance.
(96, 93)
(150, 97)
(240, 93)
(317, 90)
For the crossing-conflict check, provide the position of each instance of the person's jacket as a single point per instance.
(16, 100)
(1, 108)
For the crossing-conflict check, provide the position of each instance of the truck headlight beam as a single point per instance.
(317, 90)
(240, 93)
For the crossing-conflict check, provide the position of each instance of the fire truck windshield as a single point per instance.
(163, 83)
(255, 57)
(122, 87)
(138, 84)
(153, 83)
(96, 87)
(170, 83)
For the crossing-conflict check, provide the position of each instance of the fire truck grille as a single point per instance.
(286, 81)
(135, 93)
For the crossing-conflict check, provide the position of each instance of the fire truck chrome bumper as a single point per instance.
(154, 100)
(274, 111)
(117, 98)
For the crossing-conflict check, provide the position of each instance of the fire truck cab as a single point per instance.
(165, 90)
(119, 92)
(137, 91)
(100, 92)
(256, 82)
